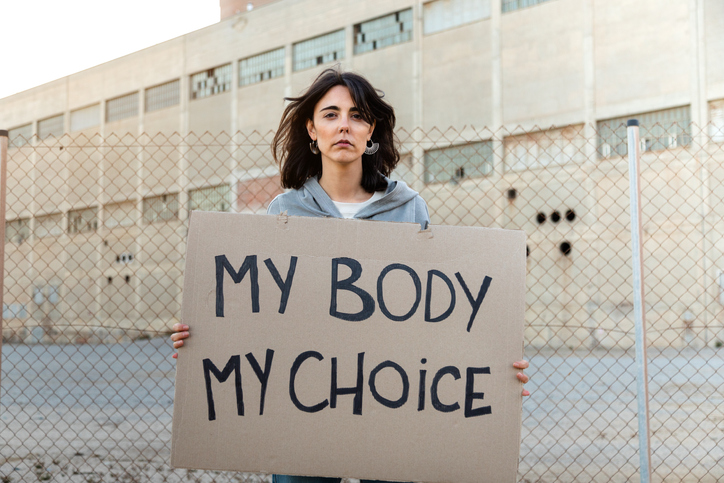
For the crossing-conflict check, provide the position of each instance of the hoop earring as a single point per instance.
(372, 148)
(313, 147)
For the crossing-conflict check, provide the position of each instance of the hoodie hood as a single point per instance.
(399, 203)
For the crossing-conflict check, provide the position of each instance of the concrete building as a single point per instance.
(535, 91)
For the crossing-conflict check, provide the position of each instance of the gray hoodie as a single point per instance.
(399, 203)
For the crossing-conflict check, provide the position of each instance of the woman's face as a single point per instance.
(339, 129)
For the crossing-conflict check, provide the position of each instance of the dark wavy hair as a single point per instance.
(290, 147)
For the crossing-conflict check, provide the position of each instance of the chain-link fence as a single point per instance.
(94, 254)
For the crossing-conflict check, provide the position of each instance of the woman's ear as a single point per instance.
(310, 129)
(372, 129)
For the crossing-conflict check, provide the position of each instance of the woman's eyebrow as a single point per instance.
(335, 108)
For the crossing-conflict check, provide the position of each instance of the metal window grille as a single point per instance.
(668, 128)
(716, 121)
(440, 15)
(262, 67)
(545, 148)
(160, 208)
(122, 107)
(511, 5)
(458, 162)
(49, 225)
(319, 50)
(52, 126)
(162, 96)
(83, 221)
(122, 214)
(20, 136)
(17, 231)
(85, 118)
(391, 29)
(215, 198)
(211, 82)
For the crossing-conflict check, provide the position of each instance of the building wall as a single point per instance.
(542, 74)
(537, 54)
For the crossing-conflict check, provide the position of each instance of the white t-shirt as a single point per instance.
(349, 210)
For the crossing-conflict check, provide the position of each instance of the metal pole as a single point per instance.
(3, 186)
(642, 379)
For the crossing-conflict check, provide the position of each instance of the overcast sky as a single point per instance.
(43, 40)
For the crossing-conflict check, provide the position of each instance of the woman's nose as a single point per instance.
(343, 124)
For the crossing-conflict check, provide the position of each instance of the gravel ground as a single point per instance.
(102, 413)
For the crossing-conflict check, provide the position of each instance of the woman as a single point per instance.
(335, 146)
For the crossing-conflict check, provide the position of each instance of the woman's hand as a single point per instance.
(180, 332)
(521, 377)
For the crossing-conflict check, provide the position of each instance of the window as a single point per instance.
(20, 136)
(165, 95)
(14, 311)
(215, 198)
(122, 107)
(261, 67)
(210, 82)
(83, 221)
(49, 225)
(85, 118)
(658, 130)
(545, 148)
(510, 5)
(46, 293)
(458, 162)
(319, 50)
(120, 214)
(17, 231)
(160, 208)
(716, 121)
(52, 126)
(445, 14)
(384, 31)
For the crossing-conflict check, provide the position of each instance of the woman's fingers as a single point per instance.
(180, 332)
(179, 336)
(521, 376)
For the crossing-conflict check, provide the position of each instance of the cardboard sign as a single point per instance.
(350, 348)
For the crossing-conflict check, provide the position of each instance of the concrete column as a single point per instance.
(234, 98)
(349, 47)
(589, 80)
(496, 65)
(697, 64)
(417, 150)
(183, 180)
(496, 82)
(288, 66)
(235, 137)
(589, 132)
(4, 144)
(699, 131)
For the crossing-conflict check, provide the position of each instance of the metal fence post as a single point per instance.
(634, 156)
(3, 186)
